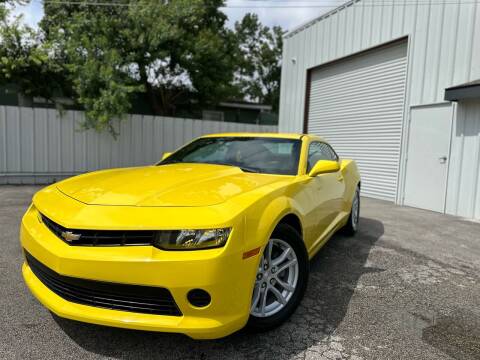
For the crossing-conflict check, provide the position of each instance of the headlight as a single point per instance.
(191, 239)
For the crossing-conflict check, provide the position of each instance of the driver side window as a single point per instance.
(319, 151)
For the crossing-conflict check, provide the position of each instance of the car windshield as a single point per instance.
(251, 154)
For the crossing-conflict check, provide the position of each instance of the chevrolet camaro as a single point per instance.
(216, 236)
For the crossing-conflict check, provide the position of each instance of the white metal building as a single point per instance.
(394, 85)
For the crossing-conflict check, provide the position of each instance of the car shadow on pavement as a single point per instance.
(334, 274)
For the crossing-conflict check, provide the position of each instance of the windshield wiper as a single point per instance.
(167, 162)
(241, 167)
(248, 169)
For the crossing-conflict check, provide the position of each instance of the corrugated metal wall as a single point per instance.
(463, 194)
(39, 146)
(444, 50)
(444, 39)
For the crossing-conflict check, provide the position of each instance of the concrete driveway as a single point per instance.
(406, 287)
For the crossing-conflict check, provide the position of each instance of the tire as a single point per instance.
(351, 227)
(284, 237)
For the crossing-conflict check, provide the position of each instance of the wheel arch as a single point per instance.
(261, 225)
(293, 220)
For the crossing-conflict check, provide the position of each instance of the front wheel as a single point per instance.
(281, 279)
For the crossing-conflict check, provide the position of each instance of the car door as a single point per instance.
(325, 192)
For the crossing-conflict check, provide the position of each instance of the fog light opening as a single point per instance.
(199, 298)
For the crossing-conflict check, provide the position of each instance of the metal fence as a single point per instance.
(40, 146)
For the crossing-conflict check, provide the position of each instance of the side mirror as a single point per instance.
(166, 155)
(323, 167)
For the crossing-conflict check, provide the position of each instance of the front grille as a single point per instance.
(134, 298)
(101, 237)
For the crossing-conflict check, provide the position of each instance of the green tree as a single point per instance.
(165, 49)
(23, 59)
(103, 56)
(5, 4)
(259, 61)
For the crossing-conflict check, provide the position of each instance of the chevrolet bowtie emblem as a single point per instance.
(69, 236)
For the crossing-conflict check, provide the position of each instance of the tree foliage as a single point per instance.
(24, 61)
(172, 51)
(259, 68)
(165, 50)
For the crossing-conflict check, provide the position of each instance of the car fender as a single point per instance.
(260, 225)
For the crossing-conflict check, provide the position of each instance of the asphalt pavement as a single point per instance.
(406, 287)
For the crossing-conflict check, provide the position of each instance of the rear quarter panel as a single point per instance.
(351, 177)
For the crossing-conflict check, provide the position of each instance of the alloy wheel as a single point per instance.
(355, 210)
(276, 280)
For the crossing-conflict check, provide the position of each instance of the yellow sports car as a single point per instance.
(215, 236)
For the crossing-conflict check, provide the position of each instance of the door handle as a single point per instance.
(340, 177)
(442, 159)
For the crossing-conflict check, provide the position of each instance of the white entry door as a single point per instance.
(428, 157)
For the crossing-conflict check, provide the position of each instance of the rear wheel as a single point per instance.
(281, 279)
(352, 225)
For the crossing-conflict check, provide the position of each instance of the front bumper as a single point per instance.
(223, 273)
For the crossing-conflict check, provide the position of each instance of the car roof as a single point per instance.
(268, 135)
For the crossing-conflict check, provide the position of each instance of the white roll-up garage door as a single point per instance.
(357, 105)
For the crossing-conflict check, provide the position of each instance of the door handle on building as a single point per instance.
(442, 159)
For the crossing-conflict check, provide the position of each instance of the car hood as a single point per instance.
(166, 185)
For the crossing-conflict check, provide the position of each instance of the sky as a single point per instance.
(288, 13)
